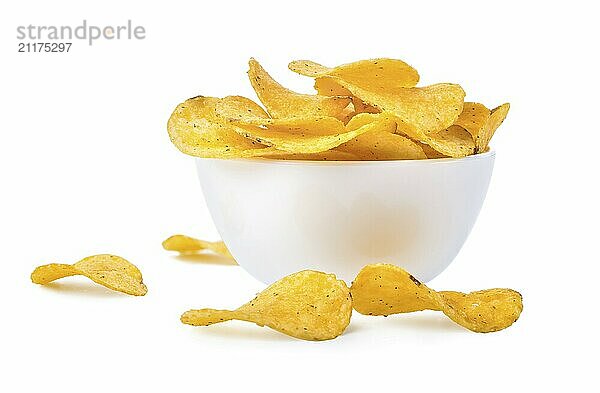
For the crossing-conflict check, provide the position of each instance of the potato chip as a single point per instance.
(427, 109)
(497, 116)
(299, 135)
(381, 143)
(453, 142)
(375, 75)
(284, 103)
(196, 130)
(240, 107)
(189, 245)
(308, 305)
(430, 152)
(383, 289)
(329, 87)
(111, 271)
(473, 118)
(481, 123)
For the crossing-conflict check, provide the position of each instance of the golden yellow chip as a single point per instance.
(240, 107)
(284, 103)
(110, 271)
(497, 116)
(383, 289)
(473, 118)
(376, 75)
(299, 135)
(381, 143)
(329, 87)
(481, 122)
(427, 109)
(430, 152)
(308, 305)
(196, 130)
(454, 141)
(189, 245)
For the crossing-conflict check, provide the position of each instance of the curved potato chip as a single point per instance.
(299, 135)
(309, 68)
(453, 142)
(238, 107)
(284, 103)
(430, 152)
(376, 75)
(196, 130)
(110, 271)
(308, 305)
(481, 122)
(427, 109)
(189, 245)
(383, 289)
(380, 143)
(329, 87)
(473, 118)
(497, 116)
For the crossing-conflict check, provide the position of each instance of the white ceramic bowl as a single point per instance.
(279, 217)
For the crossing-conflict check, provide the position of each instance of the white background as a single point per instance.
(87, 168)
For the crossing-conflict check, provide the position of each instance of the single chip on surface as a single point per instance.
(189, 245)
(110, 271)
(383, 289)
(308, 305)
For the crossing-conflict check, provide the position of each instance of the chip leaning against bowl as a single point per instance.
(366, 110)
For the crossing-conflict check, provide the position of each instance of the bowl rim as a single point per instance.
(490, 154)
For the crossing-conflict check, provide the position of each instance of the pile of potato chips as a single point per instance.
(366, 110)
